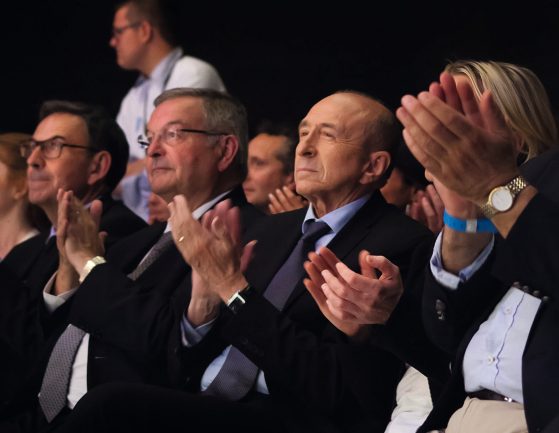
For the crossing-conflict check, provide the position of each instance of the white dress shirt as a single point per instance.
(493, 358)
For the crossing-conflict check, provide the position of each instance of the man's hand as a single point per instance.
(284, 200)
(469, 152)
(351, 301)
(212, 248)
(427, 208)
(157, 209)
(77, 233)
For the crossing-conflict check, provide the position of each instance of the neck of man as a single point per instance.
(156, 52)
(323, 205)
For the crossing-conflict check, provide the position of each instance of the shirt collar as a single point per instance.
(165, 66)
(338, 218)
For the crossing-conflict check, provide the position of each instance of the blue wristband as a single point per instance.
(480, 225)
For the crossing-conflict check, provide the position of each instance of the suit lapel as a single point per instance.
(347, 240)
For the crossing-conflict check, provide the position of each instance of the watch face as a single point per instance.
(501, 199)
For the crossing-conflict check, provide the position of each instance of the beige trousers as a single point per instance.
(488, 416)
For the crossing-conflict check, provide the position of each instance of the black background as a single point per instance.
(277, 57)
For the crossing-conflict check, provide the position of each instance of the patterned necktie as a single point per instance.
(238, 373)
(158, 248)
(54, 389)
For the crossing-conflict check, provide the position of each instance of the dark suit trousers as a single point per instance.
(138, 408)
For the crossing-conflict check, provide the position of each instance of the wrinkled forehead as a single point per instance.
(186, 111)
(343, 111)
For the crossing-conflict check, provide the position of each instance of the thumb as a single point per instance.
(388, 269)
(367, 269)
(247, 254)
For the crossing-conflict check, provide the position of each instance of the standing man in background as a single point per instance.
(143, 40)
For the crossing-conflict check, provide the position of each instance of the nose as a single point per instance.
(112, 41)
(35, 159)
(306, 146)
(155, 148)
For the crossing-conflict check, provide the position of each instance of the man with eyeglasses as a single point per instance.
(126, 306)
(143, 41)
(74, 147)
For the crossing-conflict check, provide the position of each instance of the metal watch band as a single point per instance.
(514, 186)
(239, 298)
(89, 265)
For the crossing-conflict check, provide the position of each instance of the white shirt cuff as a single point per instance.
(52, 302)
(449, 280)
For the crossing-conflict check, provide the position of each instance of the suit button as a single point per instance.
(440, 308)
(545, 298)
(516, 285)
(243, 341)
(526, 289)
(536, 293)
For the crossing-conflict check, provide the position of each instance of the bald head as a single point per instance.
(343, 150)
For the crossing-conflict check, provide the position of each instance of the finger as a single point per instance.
(435, 199)
(233, 222)
(293, 201)
(366, 270)
(96, 210)
(446, 124)
(493, 118)
(313, 271)
(436, 90)
(451, 94)
(339, 305)
(282, 199)
(425, 136)
(275, 202)
(470, 104)
(419, 152)
(430, 214)
(329, 258)
(247, 254)
(317, 294)
(272, 209)
(388, 269)
(102, 239)
(341, 314)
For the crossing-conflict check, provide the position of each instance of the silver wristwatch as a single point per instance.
(502, 198)
(89, 265)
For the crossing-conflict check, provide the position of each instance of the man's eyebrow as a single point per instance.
(320, 125)
(171, 123)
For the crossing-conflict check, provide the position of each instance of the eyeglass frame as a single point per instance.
(116, 32)
(144, 144)
(24, 146)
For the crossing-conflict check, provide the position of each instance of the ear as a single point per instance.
(375, 167)
(99, 167)
(228, 147)
(19, 188)
(145, 31)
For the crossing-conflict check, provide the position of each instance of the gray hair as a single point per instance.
(222, 112)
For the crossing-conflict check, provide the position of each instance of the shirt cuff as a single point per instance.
(190, 335)
(52, 302)
(451, 281)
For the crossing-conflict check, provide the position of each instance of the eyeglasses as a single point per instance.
(172, 137)
(51, 148)
(117, 31)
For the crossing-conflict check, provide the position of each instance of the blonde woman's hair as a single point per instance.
(520, 96)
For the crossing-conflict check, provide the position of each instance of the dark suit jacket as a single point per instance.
(530, 256)
(316, 378)
(25, 324)
(128, 321)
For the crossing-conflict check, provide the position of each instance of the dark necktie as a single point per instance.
(54, 389)
(158, 248)
(238, 373)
